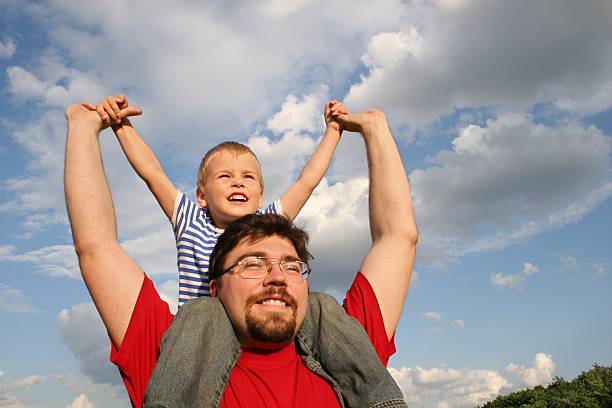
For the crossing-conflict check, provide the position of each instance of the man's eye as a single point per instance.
(293, 267)
(253, 263)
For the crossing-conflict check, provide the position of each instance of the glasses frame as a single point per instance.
(270, 262)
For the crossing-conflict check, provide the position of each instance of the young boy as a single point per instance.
(230, 185)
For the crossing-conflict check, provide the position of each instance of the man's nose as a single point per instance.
(276, 276)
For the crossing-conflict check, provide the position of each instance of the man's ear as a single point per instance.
(201, 195)
(214, 288)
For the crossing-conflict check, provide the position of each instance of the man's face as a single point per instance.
(232, 187)
(265, 312)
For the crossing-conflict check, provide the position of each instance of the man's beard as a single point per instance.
(273, 327)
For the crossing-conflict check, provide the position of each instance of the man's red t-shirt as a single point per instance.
(260, 378)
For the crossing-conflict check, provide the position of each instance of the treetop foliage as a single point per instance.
(591, 389)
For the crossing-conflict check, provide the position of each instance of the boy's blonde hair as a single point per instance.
(233, 147)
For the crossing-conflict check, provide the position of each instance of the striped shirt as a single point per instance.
(196, 236)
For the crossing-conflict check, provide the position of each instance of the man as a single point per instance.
(262, 310)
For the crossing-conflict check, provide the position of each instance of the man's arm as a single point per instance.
(112, 277)
(296, 196)
(138, 153)
(388, 265)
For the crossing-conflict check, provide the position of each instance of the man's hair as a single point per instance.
(255, 227)
(233, 147)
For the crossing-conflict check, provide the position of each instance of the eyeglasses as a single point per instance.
(257, 267)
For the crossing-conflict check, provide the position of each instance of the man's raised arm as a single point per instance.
(388, 265)
(112, 277)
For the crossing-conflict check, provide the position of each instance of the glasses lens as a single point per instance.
(259, 267)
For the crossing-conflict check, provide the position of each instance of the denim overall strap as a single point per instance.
(197, 355)
(336, 347)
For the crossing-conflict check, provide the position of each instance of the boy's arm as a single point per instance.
(389, 262)
(296, 196)
(139, 155)
(112, 277)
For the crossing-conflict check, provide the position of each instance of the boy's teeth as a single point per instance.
(237, 197)
(274, 302)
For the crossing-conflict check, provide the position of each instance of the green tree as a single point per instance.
(591, 389)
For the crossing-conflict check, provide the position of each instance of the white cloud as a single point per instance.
(82, 330)
(458, 324)
(306, 115)
(599, 269)
(540, 374)
(88, 387)
(568, 263)
(280, 8)
(168, 292)
(56, 260)
(467, 57)
(13, 300)
(27, 382)
(20, 385)
(7, 48)
(433, 316)
(9, 401)
(508, 181)
(456, 388)
(80, 402)
(515, 281)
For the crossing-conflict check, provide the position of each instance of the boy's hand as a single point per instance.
(333, 109)
(114, 111)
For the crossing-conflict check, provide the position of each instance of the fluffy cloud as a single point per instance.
(508, 181)
(7, 48)
(514, 280)
(458, 324)
(168, 292)
(225, 67)
(540, 374)
(568, 263)
(20, 385)
(433, 316)
(471, 58)
(456, 388)
(80, 402)
(85, 335)
(467, 387)
(14, 300)
(56, 260)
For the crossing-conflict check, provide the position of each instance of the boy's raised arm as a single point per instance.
(138, 153)
(112, 277)
(296, 196)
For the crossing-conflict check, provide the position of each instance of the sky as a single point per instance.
(502, 112)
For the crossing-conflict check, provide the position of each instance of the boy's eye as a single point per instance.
(250, 176)
(223, 175)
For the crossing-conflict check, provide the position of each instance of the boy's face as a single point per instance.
(232, 187)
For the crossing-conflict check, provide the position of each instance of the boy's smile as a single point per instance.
(232, 187)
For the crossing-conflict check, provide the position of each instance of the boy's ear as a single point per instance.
(200, 193)
(260, 199)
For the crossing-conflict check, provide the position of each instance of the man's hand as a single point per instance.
(365, 122)
(77, 114)
(114, 111)
(333, 109)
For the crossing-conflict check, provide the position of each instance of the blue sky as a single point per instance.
(502, 114)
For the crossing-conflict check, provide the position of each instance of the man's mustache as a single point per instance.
(273, 292)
